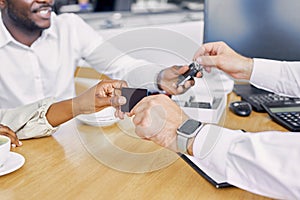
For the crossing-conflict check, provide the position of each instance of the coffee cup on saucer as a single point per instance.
(4, 149)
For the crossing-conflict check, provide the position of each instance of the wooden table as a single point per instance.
(61, 167)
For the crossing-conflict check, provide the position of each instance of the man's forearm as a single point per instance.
(60, 112)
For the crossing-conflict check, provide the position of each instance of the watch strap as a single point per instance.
(182, 143)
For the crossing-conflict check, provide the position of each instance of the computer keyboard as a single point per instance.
(256, 97)
(283, 110)
(257, 100)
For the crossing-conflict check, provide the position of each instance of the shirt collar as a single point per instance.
(6, 37)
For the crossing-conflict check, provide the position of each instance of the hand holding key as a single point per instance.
(169, 78)
(194, 68)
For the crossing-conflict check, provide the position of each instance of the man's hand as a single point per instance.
(93, 100)
(99, 97)
(157, 118)
(221, 56)
(5, 130)
(167, 80)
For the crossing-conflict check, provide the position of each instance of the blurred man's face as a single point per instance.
(29, 14)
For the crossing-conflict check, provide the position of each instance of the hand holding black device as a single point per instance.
(133, 96)
(194, 69)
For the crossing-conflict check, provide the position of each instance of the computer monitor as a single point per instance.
(112, 5)
(255, 28)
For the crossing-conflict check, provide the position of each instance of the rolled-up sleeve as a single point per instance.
(29, 121)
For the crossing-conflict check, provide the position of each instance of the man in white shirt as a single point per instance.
(264, 163)
(40, 51)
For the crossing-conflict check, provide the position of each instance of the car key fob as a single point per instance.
(194, 69)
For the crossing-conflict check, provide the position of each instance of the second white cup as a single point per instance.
(4, 149)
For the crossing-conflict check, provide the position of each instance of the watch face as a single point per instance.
(189, 127)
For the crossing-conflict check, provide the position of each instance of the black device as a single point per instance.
(241, 108)
(112, 5)
(256, 97)
(133, 96)
(189, 127)
(285, 114)
(194, 68)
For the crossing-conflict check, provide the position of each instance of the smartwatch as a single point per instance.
(187, 130)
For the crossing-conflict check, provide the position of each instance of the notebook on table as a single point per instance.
(207, 174)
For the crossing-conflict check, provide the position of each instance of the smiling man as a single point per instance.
(40, 51)
(26, 19)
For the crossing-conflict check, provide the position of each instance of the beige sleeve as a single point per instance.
(29, 121)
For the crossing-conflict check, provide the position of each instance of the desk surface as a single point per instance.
(60, 167)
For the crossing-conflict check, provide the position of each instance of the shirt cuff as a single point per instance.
(38, 125)
(211, 147)
(264, 73)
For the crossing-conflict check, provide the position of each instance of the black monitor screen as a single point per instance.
(255, 28)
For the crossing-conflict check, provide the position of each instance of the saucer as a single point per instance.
(13, 162)
(99, 122)
(105, 117)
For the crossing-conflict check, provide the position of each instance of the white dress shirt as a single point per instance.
(265, 163)
(277, 76)
(46, 68)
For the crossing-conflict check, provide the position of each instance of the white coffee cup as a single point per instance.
(4, 148)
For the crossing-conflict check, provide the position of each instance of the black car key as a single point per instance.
(194, 69)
